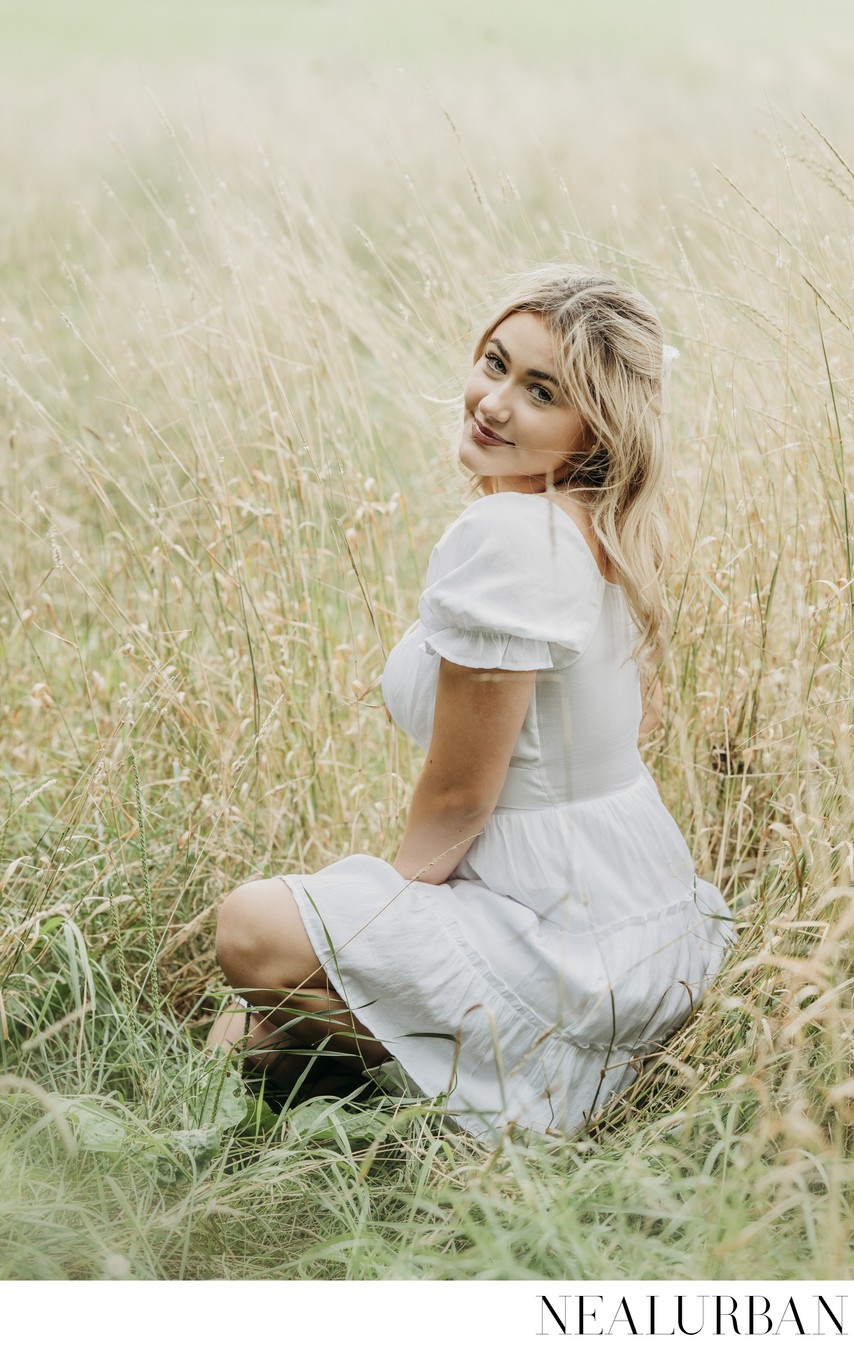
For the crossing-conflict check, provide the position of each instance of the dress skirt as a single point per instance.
(527, 1012)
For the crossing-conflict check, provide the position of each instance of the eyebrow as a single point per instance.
(533, 374)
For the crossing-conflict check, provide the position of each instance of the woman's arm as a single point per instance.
(438, 834)
(476, 722)
(652, 701)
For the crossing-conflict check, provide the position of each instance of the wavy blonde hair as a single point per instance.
(609, 357)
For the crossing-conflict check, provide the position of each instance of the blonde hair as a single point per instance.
(609, 356)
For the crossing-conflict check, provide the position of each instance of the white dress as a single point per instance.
(574, 937)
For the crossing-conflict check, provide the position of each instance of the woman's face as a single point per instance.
(518, 426)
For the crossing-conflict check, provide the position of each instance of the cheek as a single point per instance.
(474, 390)
(577, 434)
(567, 437)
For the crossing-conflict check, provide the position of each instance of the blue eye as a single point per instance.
(494, 363)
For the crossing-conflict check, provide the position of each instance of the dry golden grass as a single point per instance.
(229, 334)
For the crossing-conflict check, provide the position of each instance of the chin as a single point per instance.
(468, 456)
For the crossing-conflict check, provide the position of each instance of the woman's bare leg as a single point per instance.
(265, 952)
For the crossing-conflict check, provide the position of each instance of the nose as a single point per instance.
(494, 406)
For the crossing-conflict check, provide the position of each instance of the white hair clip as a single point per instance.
(670, 354)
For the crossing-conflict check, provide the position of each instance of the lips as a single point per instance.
(484, 437)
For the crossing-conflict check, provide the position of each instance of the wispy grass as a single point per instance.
(226, 353)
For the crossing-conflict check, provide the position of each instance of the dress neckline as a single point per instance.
(541, 496)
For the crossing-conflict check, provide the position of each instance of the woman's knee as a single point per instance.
(240, 935)
(260, 939)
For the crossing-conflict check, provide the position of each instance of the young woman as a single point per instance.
(541, 929)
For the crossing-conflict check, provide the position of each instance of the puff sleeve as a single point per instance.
(512, 585)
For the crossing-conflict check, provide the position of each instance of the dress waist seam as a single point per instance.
(576, 800)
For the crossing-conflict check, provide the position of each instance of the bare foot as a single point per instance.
(284, 1059)
(244, 1031)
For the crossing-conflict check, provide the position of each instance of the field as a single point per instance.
(243, 253)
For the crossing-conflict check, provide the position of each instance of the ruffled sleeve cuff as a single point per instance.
(488, 650)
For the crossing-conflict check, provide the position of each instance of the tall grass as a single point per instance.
(226, 347)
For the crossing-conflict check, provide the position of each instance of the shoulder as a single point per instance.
(485, 512)
(519, 529)
(489, 517)
(486, 535)
(479, 512)
(510, 567)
